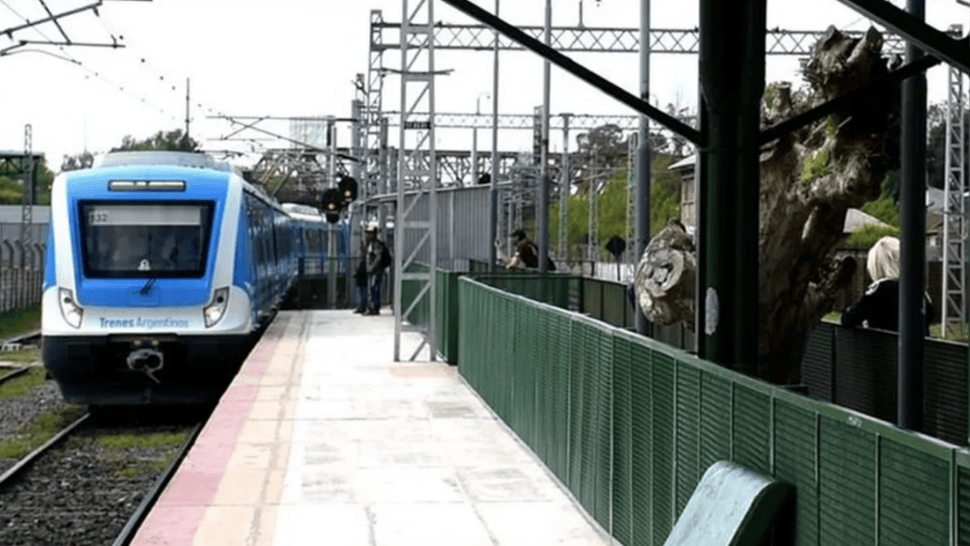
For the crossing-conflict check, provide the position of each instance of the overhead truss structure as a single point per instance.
(416, 215)
(603, 39)
(954, 297)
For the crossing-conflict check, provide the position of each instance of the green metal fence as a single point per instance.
(629, 425)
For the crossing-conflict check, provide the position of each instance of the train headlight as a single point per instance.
(70, 310)
(216, 309)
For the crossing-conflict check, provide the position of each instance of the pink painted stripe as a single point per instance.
(179, 511)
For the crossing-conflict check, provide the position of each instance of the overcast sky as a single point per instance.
(299, 58)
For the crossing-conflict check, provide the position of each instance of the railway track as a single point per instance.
(134, 522)
(25, 461)
(95, 481)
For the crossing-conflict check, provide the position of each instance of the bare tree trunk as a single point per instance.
(808, 180)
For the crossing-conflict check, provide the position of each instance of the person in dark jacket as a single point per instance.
(375, 268)
(526, 253)
(360, 280)
(879, 306)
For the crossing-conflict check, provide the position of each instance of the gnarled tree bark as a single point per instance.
(808, 180)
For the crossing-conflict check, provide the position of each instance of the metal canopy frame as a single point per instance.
(732, 78)
(411, 221)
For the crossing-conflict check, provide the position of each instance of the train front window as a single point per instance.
(145, 240)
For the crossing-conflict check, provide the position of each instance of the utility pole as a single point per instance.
(493, 182)
(188, 106)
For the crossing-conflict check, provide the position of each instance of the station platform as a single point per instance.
(323, 439)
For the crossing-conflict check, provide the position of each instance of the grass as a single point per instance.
(961, 333)
(161, 440)
(23, 385)
(40, 431)
(116, 446)
(23, 356)
(19, 321)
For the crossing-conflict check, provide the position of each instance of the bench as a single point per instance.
(733, 506)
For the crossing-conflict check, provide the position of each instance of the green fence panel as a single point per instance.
(752, 428)
(447, 315)
(525, 374)
(602, 360)
(562, 359)
(914, 493)
(622, 478)
(847, 483)
(579, 414)
(687, 434)
(662, 390)
(628, 425)
(643, 441)
(796, 463)
(715, 420)
(963, 498)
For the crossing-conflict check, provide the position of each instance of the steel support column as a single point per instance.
(542, 181)
(732, 81)
(641, 230)
(496, 167)
(912, 220)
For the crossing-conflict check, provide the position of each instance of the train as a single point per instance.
(161, 270)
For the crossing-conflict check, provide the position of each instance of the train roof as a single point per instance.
(197, 160)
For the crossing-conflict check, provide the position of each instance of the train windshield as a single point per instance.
(145, 240)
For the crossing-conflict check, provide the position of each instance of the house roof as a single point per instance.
(855, 219)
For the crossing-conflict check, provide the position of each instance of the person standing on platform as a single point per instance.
(360, 280)
(526, 253)
(378, 258)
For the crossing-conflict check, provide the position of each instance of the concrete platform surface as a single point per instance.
(323, 439)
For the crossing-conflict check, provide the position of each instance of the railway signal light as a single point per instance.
(332, 204)
(348, 188)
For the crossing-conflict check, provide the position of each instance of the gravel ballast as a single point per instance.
(80, 493)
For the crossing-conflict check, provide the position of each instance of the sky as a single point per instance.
(299, 58)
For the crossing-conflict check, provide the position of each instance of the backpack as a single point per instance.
(386, 258)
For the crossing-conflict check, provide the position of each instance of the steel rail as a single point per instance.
(17, 372)
(148, 501)
(30, 457)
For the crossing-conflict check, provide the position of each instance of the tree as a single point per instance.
(808, 181)
(173, 140)
(936, 145)
(83, 160)
(12, 189)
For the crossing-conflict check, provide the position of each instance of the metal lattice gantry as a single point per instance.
(603, 39)
(27, 214)
(954, 225)
(374, 123)
(416, 218)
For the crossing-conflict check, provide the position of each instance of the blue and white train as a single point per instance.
(161, 269)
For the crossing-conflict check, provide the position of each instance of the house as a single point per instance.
(854, 218)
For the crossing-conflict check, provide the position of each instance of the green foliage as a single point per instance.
(174, 141)
(143, 441)
(19, 321)
(961, 333)
(612, 203)
(866, 236)
(24, 356)
(83, 160)
(23, 385)
(831, 125)
(884, 209)
(815, 165)
(38, 432)
(163, 444)
(771, 92)
(12, 191)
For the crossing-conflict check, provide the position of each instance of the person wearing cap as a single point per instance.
(377, 255)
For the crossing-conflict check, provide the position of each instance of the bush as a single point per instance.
(867, 236)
